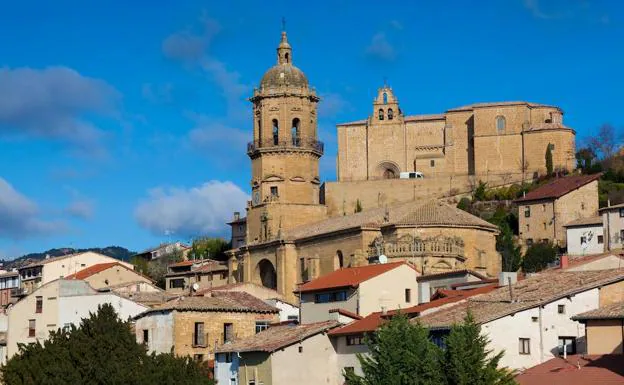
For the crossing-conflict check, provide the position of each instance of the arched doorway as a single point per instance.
(338, 260)
(388, 170)
(267, 274)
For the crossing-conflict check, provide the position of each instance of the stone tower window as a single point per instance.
(259, 133)
(385, 98)
(390, 114)
(287, 57)
(275, 132)
(432, 163)
(294, 132)
(381, 114)
(500, 123)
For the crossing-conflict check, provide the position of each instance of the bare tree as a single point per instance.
(604, 142)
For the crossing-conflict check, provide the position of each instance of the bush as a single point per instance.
(464, 204)
(538, 256)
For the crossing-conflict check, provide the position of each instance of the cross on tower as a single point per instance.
(283, 23)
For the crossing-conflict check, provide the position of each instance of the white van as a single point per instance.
(411, 175)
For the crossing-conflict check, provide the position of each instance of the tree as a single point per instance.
(102, 350)
(549, 160)
(464, 204)
(538, 256)
(479, 192)
(209, 248)
(586, 160)
(467, 361)
(400, 354)
(358, 206)
(604, 142)
(507, 247)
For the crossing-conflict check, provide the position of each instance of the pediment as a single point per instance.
(273, 178)
(297, 179)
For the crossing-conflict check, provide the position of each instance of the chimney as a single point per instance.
(424, 292)
(503, 278)
(564, 262)
(236, 215)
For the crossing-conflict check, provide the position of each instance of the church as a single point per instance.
(297, 229)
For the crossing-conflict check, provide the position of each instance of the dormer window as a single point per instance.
(390, 114)
(500, 123)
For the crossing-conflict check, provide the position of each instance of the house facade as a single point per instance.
(585, 236)
(613, 226)
(182, 276)
(604, 328)
(9, 287)
(111, 274)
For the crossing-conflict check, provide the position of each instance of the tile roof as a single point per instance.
(182, 264)
(218, 301)
(91, 270)
(499, 104)
(346, 313)
(348, 276)
(597, 220)
(579, 260)
(429, 213)
(277, 337)
(613, 311)
(373, 321)
(533, 291)
(452, 273)
(612, 207)
(148, 298)
(559, 187)
(576, 370)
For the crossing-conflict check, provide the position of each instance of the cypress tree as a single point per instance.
(549, 160)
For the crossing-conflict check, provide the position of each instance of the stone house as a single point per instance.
(282, 355)
(46, 270)
(194, 326)
(531, 322)
(111, 274)
(182, 276)
(164, 250)
(239, 230)
(585, 236)
(604, 328)
(359, 290)
(613, 226)
(544, 211)
(59, 304)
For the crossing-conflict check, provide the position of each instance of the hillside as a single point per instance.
(118, 252)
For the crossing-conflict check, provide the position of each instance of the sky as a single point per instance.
(125, 123)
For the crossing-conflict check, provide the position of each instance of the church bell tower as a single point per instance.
(284, 153)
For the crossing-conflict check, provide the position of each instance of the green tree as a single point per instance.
(400, 354)
(538, 256)
(506, 245)
(465, 204)
(101, 351)
(358, 206)
(549, 160)
(480, 192)
(467, 361)
(209, 248)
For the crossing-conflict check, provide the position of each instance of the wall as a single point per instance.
(388, 290)
(580, 203)
(72, 309)
(204, 279)
(286, 310)
(611, 293)
(314, 365)
(115, 275)
(574, 234)
(316, 312)
(540, 225)
(255, 366)
(346, 355)
(74, 263)
(160, 331)
(605, 336)
(613, 224)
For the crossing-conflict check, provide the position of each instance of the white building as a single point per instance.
(585, 236)
(59, 304)
(288, 311)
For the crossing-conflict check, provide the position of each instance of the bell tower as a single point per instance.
(284, 153)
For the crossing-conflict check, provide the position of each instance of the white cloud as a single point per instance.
(332, 104)
(189, 212)
(52, 103)
(381, 48)
(20, 217)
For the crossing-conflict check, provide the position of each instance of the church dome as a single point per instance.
(284, 74)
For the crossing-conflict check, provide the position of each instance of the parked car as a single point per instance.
(411, 175)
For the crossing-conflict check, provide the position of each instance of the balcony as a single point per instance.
(313, 145)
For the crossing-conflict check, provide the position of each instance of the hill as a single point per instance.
(118, 252)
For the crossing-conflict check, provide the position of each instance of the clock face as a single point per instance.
(256, 197)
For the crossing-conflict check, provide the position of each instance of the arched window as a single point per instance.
(500, 123)
(390, 114)
(259, 133)
(294, 132)
(389, 174)
(287, 57)
(381, 114)
(385, 98)
(339, 263)
(275, 132)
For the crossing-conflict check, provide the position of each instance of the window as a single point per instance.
(600, 239)
(228, 332)
(39, 305)
(544, 207)
(500, 123)
(569, 343)
(145, 336)
(336, 296)
(293, 318)
(527, 212)
(31, 327)
(261, 326)
(561, 309)
(302, 270)
(300, 349)
(275, 132)
(534, 319)
(583, 240)
(274, 191)
(528, 228)
(198, 357)
(252, 382)
(199, 338)
(385, 98)
(176, 284)
(390, 114)
(356, 339)
(294, 132)
(408, 295)
(621, 235)
(381, 114)
(228, 357)
(432, 163)
(544, 225)
(529, 242)
(621, 213)
(582, 205)
(525, 346)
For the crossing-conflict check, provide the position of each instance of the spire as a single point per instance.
(284, 51)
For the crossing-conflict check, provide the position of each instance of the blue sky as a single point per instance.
(124, 123)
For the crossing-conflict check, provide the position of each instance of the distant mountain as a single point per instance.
(118, 252)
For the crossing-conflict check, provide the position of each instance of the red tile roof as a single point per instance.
(348, 277)
(91, 270)
(182, 263)
(346, 313)
(559, 187)
(371, 322)
(451, 273)
(576, 370)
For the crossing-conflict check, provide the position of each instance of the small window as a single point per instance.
(582, 205)
(275, 132)
(600, 239)
(176, 283)
(274, 191)
(528, 228)
(544, 207)
(39, 305)
(561, 309)
(567, 343)
(385, 98)
(432, 163)
(500, 123)
(545, 225)
(527, 211)
(199, 338)
(525, 346)
(621, 213)
(622, 236)
(261, 326)
(300, 349)
(293, 318)
(408, 295)
(228, 332)
(66, 327)
(529, 242)
(355, 340)
(145, 336)
(390, 114)
(381, 114)
(534, 319)
(31, 327)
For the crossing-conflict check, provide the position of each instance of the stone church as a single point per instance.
(297, 229)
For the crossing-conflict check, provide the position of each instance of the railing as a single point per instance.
(417, 249)
(293, 143)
